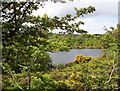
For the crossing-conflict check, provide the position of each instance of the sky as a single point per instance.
(106, 13)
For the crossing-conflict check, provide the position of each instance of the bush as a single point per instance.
(81, 58)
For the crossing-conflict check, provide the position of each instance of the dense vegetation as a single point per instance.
(27, 65)
(82, 41)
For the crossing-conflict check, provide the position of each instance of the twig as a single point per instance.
(22, 66)
(111, 73)
(110, 77)
(15, 80)
(116, 88)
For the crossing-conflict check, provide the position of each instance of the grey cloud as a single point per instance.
(105, 15)
(108, 9)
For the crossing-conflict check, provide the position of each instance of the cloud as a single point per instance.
(106, 13)
(103, 8)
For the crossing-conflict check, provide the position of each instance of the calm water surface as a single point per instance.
(67, 57)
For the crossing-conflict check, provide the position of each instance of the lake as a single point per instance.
(67, 57)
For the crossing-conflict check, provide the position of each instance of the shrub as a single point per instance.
(81, 58)
(43, 81)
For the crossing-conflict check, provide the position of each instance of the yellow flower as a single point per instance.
(71, 75)
(111, 61)
(79, 73)
(93, 76)
(87, 58)
(77, 56)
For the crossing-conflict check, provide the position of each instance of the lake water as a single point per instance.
(67, 57)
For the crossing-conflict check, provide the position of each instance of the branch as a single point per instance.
(15, 80)
(116, 89)
(22, 66)
(110, 77)
(14, 17)
(11, 73)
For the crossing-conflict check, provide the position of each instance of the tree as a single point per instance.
(21, 41)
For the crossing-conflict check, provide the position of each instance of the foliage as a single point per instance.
(91, 75)
(24, 34)
(96, 74)
(39, 81)
(79, 41)
(24, 51)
